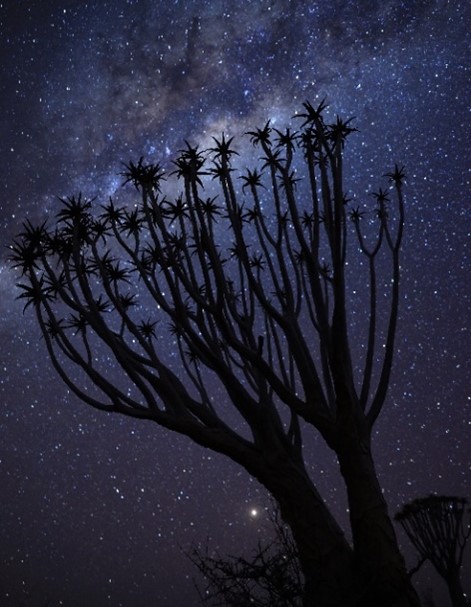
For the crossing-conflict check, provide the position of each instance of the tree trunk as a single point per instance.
(455, 589)
(378, 560)
(326, 557)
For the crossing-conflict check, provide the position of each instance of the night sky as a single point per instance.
(98, 509)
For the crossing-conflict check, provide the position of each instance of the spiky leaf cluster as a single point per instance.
(241, 284)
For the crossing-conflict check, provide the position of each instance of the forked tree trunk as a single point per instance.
(378, 560)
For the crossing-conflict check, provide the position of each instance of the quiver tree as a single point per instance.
(439, 526)
(249, 288)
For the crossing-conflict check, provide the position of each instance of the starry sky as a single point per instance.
(97, 509)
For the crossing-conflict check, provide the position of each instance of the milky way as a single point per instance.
(97, 509)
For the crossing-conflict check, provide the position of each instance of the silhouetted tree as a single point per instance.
(255, 296)
(271, 577)
(439, 527)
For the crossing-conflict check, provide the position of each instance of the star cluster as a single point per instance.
(98, 509)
